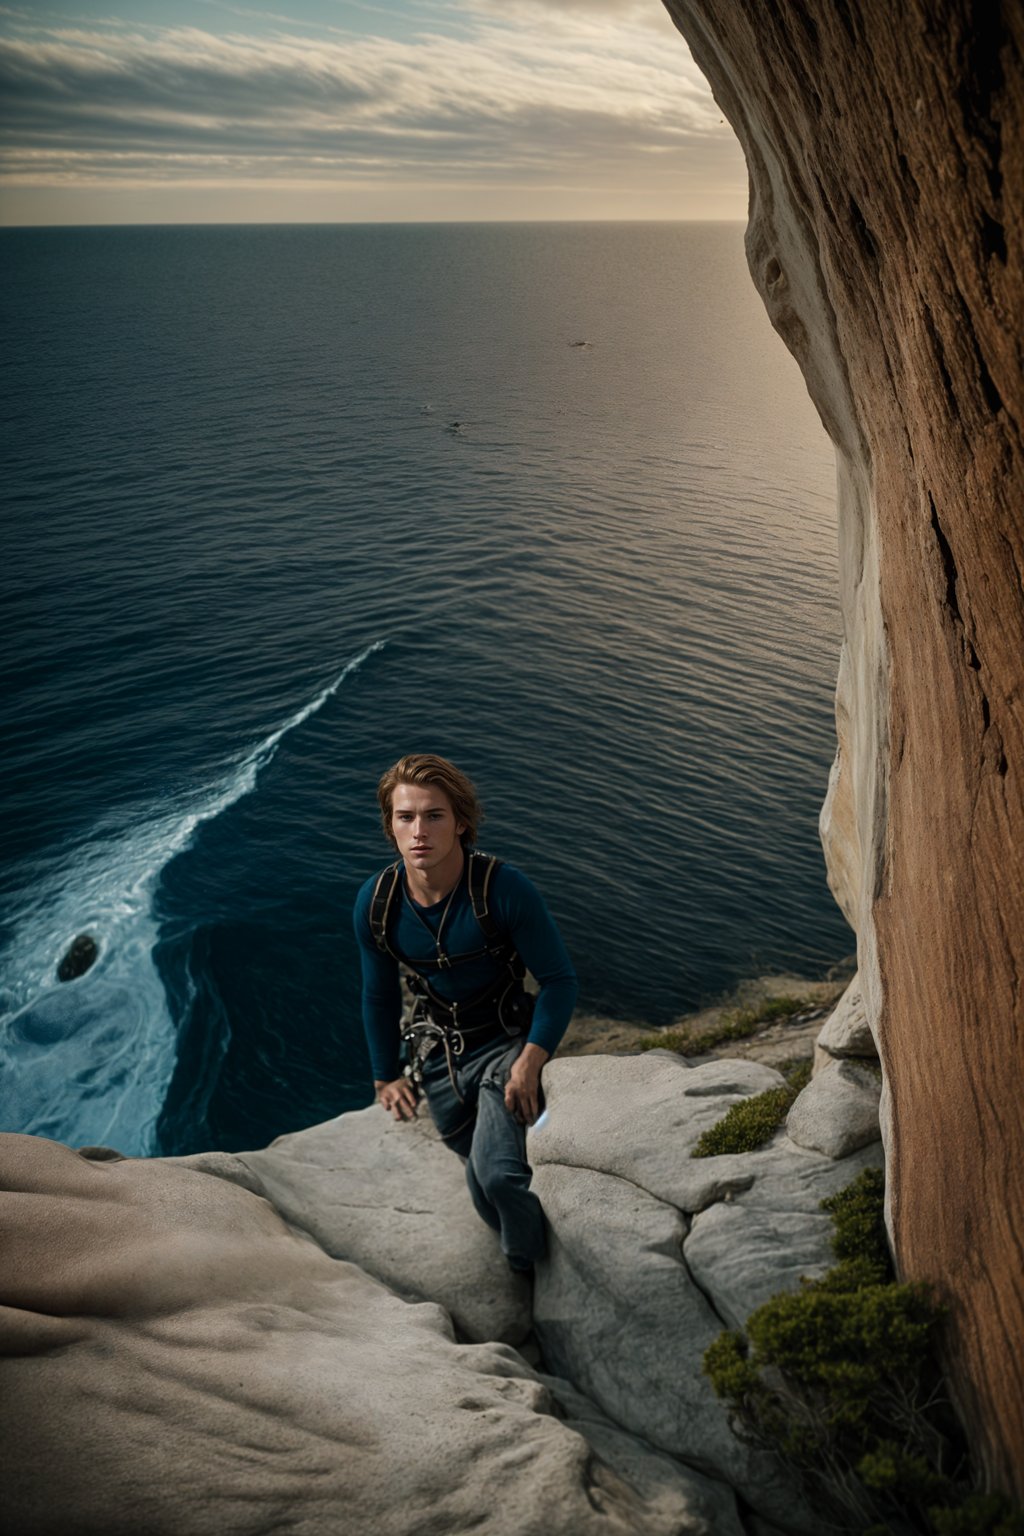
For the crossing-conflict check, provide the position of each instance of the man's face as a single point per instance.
(424, 826)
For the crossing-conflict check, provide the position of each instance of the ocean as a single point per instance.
(282, 503)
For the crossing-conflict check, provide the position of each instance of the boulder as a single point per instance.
(639, 1118)
(847, 1031)
(617, 1313)
(838, 1110)
(390, 1197)
(80, 956)
(175, 1358)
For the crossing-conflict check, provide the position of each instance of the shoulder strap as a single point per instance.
(389, 882)
(480, 875)
(482, 868)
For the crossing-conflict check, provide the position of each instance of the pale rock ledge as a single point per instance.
(199, 1345)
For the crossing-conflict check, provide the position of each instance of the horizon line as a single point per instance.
(348, 223)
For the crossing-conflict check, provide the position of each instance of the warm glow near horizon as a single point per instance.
(205, 111)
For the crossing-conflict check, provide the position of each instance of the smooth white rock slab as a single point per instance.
(175, 1358)
(787, 1177)
(742, 1256)
(617, 1312)
(639, 1117)
(390, 1197)
(603, 1298)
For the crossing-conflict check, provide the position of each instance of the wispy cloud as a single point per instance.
(521, 90)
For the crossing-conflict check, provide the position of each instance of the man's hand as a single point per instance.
(522, 1091)
(398, 1097)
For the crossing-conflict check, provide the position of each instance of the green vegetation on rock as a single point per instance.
(752, 1122)
(739, 1024)
(840, 1381)
(858, 1223)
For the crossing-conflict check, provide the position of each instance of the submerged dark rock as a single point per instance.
(79, 958)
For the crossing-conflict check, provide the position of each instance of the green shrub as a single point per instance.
(797, 1072)
(858, 1221)
(839, 1379)
(889, 1469)
(778, 1008)
(752, 1122)
(981, 1514)
(726, 1362)
(844, 1342)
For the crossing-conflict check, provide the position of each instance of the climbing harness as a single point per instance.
(503, 1005)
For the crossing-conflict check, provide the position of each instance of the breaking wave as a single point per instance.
(89, 1061)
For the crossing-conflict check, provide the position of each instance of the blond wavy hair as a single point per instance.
(425, 768)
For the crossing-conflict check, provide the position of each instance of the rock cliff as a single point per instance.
(886, 158)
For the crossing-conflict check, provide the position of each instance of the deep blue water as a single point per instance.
(248, 561)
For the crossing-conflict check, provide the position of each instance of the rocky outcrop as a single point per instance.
(886, 238)
(230, 1301)
(81, 955)
(176, 1359)
(654, 1251)
(847, 1031)
(391, 1198)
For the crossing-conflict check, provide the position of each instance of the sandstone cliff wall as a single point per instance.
(886, 165)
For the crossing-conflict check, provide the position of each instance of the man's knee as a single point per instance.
(499, 1173)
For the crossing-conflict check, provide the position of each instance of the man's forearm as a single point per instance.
(531, 1058)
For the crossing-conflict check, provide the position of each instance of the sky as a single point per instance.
(194, 111)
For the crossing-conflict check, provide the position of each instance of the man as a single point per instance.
(464, 926)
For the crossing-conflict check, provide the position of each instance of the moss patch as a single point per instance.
(752, 1122)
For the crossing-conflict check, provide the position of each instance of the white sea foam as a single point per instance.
(89, 1061)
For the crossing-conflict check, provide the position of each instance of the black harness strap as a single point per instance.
(389, 882)
(479, 877)
(502, 998)
(499, 946)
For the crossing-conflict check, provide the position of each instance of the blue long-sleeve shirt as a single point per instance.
(518, 909)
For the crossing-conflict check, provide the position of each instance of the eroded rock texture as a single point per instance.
(653, 1251)
(193, 1345)
(176, 1359)
(391, 1198)
(886, 160)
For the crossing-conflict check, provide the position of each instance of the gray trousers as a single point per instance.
(482, 1131)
